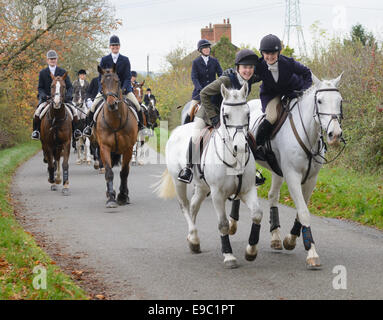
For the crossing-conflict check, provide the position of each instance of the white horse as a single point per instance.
(319, 109)
(228, 169)
(83, 143)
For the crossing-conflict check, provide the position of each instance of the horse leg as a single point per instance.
(110, 193)
(251, 200)
(51, 168)
(296, 192)
(87, 151)
(65, 167)
(123, 196)
(230, 261)
(195, 204)
(78, 148)
(273, 196)
(58, 171)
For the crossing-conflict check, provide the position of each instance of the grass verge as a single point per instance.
(342, 194)
(20, 256)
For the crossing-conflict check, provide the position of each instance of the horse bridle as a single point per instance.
(115, 95)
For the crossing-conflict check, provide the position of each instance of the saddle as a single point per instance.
(193, 111)
(201, 146)
(269, 156)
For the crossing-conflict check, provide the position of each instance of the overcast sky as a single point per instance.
(154, 27)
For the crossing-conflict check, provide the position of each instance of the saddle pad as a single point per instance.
(102, 105)
(46, 108)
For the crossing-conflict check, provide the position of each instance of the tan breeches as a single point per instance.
(271, 110)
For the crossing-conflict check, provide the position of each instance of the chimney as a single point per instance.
(220, 30)
(207, 33)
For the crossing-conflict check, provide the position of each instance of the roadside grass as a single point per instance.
(158, 141)
(342, 194)
(19, 253)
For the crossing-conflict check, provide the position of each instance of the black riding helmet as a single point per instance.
(114, 40)
(81, 71)
(246, 57)
(134, 74)
(270, 43)
(203, 43)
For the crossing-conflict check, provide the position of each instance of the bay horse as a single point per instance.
(228, 169)
(300, 149)
(56, 134)
(116, 132)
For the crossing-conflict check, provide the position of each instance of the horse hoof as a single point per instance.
(194, 247)
(122, 200)
(313, 264)
(111, 203)
(78, 162)
(65, 191)
(102, 171)
(58, 181)
(53, 187)
(232, 227)
(230, 263)
(251, 253)
(288, 245)
(96, 165)
(250, 257)
(89, 162)
(276, 244)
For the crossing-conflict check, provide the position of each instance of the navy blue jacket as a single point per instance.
(292, 76)
(122, 69)
(92, 89)
(203, 74)
(45, 81)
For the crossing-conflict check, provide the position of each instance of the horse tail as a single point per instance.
(116, 159)
(165, 188)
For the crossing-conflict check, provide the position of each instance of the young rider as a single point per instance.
(211, 99)
(204, 70)
(281, 77)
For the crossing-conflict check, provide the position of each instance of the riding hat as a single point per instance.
(203, 43)
(270, 43)
(81, 71)
(134, 74)
(51, 54)
(148, 89)
(114, 40)
(246, 57)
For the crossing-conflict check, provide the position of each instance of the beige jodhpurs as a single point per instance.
(271, 109)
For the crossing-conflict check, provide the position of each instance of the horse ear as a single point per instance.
(316, 81)
(52, 76)
(65, 74)
(100, 70)
(244, 90)
(337, 80)
(143, 82)
(224, 91)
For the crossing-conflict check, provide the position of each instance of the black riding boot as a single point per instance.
(75, 131)
(140, 120)
(89, 124)
(186, 174)
(36, 128)
(263, 134)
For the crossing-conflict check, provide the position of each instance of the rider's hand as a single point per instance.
(214, 120)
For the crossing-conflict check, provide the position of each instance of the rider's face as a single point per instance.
(115, 48)
(270, 57)
(52, 62)
(82, 76)
(246, 71)
(205, 51)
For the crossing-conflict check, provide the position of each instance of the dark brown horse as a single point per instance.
(56, 134)
(116, 132)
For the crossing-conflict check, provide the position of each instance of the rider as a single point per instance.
(281, 77)
(149, 96)
(211, 98)
(134, 78)
(123, 71)
(204, 70)
(92, 92)
(44, 94)
(80, 87)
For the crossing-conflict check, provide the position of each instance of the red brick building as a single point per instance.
(215, 32)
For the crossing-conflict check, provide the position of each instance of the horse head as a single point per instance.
(138, 91)
(235, 115)
(110, 85)
(328, 111)
(58, 90)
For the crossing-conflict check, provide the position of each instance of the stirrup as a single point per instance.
(35, 135)
(259, 178)
(77, 134)
(87, 131)
(186, 175)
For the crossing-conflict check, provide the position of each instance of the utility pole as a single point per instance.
(293, 25)
(147, 65)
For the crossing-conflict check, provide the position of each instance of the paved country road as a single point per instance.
(139, 251)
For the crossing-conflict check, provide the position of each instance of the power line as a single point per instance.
(346, 6)
(244, 11)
